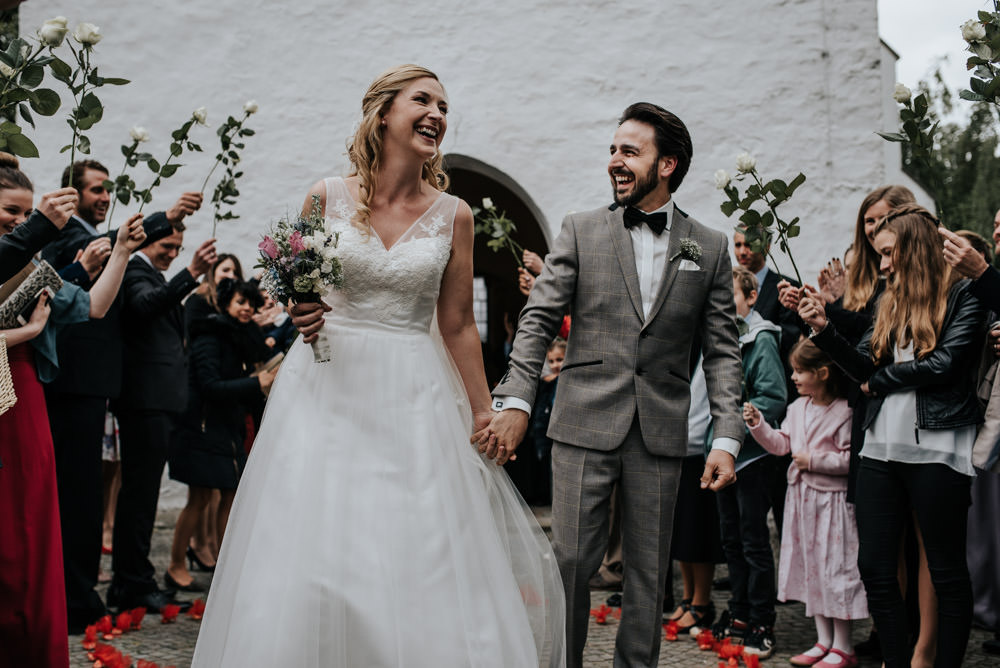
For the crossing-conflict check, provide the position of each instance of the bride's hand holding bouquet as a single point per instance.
(300, 263)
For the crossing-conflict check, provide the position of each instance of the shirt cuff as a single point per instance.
(730, 445)
(503, 403)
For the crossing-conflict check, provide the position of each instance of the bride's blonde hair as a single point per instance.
(365, 149)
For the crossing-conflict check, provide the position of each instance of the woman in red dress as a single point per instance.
(32, 591)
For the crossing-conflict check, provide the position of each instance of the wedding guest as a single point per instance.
(33, 628)
(154, 390)
(818, 565)
(275, 322)
(90, 376)
(916, 362)
(206, 451)
(204, 549)
(852, 313)
(984, 541)
(743, 506)
(20, 243)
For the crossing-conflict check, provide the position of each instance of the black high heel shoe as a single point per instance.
(193, 561)
(703, 616)
(173, 585)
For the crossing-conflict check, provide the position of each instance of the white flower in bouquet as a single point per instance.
(7, 71)
(487, 203)
(973, 31)
(722, 179)
(745, 163)
(250, 107)
(139, 134)
(200, 115)
(87, 34)
(901, 94)
(53, 32)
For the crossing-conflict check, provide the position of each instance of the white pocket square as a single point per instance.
(688, 265)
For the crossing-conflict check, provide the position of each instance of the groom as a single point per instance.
(646, 285)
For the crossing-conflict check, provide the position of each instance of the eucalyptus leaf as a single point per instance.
(21, 146)
(45, 101)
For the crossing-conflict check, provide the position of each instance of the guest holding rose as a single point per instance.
(917, 365)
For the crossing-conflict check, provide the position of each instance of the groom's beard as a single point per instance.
(642, 186)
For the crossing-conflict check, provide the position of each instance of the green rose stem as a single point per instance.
(780, 224)
(114, 200)
(231, 132)
(84, 63)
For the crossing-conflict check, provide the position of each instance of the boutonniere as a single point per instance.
(690, 250)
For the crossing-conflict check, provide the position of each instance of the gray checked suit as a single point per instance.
(620, 413)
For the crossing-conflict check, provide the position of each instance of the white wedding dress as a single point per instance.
(366, 530)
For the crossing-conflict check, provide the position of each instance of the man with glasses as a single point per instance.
(154, 390)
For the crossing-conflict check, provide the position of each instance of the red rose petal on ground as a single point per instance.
(169, 613)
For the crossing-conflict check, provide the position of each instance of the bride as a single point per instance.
(366, 530)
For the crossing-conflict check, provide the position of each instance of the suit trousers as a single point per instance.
(145, 435)
(77, 423)
(583, 480)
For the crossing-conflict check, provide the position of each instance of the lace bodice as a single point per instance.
(395, 287)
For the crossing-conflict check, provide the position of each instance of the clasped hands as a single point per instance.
(497, 435)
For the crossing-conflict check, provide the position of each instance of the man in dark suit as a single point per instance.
(90, 374)
(153, 391)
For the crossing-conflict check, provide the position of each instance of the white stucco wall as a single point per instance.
(535, 90)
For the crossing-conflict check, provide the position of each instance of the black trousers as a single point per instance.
(746, 542)
(77, 423)
(144, 439)
(888, 495)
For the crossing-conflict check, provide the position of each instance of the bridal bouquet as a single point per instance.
(300, 263)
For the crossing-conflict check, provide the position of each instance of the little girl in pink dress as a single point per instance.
(819, 544)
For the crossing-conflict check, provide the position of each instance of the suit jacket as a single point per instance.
(90, 353)
(155, 371)
(619, 364)
(771, 309)
(18, 247)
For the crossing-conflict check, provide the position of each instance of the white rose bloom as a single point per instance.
(201, 115)
(139, 134)
(326, 267)
(901, 94)
(487, 203)
(6, 70)
(250, 107)
(722, 179)
(973, 31)
(53, 31)
(87, 34)
(745, 163)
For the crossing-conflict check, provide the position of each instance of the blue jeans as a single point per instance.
(746, 542)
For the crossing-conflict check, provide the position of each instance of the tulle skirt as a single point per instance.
(367, 531)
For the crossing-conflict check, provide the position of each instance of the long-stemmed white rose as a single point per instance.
(122, 189)
(22, 69)
(180, 141)
(231, 135)
(82, 82)
(761, 227)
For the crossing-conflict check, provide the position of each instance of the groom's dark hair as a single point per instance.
(672, 137)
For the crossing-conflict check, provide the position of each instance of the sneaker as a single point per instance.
(759, 641)
(729, 627)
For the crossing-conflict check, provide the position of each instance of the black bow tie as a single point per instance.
(656, 221)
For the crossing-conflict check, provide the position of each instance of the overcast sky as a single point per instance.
(924, 31)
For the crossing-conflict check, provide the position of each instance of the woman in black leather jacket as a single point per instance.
(917, 363)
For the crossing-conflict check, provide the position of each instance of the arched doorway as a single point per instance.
(497, 296)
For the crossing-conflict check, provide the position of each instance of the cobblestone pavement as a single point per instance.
(173, 644)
